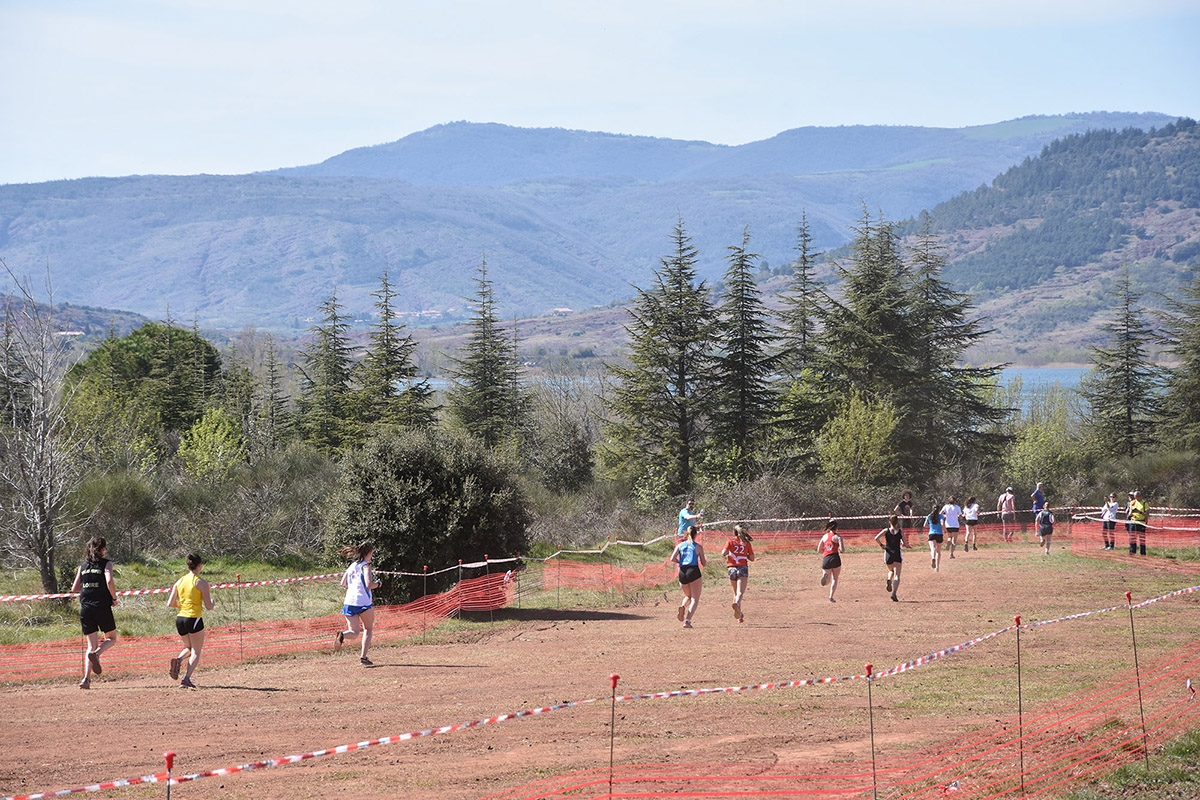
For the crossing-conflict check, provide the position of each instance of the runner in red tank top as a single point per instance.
(831, 548)
(738, 555)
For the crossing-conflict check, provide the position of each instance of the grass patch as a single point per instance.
(148, 615)
(1173, 775)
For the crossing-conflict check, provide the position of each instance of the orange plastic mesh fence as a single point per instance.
(1062, 745)
(256, 639)
(242, 641)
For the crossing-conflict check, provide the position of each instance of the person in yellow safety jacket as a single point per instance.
(1137, 513)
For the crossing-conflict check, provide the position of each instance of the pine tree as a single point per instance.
(897, 336)
(388, 391)
(802, 303)
(660, 403)
(1122, 389)
(948, 411)
(325, 380)
(1181, 404)
(239, 390)
(865, 342)
(272, 421)
(803, 408)
(487, 397)
(742, 373)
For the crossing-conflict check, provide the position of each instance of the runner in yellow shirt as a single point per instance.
(190, 595)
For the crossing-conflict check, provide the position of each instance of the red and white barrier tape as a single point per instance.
(347, 748)
(157, 777)
(165, 590)
(472, 565)
(296, 759)
(593, 551)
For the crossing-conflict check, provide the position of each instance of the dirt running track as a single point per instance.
(56, 736)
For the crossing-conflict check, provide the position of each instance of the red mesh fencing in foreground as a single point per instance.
(1061, 746)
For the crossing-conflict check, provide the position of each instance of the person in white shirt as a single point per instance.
(970, 522)
(1006, 506)
(359, 606)
(1108, 521)
(951, 512)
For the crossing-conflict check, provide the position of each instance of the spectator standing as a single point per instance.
(688, 517)
(904, 509)
(1108, 520)
(1037, 501)
(1138, 514)
(1006, 507)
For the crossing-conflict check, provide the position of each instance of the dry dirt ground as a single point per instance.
(56, 736)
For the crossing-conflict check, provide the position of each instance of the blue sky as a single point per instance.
(231, 86)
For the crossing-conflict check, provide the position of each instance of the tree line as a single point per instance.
(159, 440)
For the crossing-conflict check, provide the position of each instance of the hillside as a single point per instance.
(1039, 246)
(564, 218)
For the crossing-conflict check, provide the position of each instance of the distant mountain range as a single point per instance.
(564, 219)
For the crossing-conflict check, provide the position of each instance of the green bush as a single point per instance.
(119, 505)
(268, 510)
(426, 498)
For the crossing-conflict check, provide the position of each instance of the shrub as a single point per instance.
(426, 498)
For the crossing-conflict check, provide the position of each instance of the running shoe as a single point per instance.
(366, 662)
(687, 623)
(95, 659)
(680, 614)
(889, 584)
(85, 684)
(737, 610)
(338, 638)
(895, 599)
(824, 578)
(173, 670)
(186, 683)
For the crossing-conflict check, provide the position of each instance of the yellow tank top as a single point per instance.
(191, 601)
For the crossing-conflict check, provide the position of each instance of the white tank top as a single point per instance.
(357, 591)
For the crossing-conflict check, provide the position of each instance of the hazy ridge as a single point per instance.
(564, 218)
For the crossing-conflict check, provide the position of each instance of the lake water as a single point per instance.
(1034, 377)
(1031, 377)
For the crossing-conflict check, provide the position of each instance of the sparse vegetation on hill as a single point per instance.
(1078, 202)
